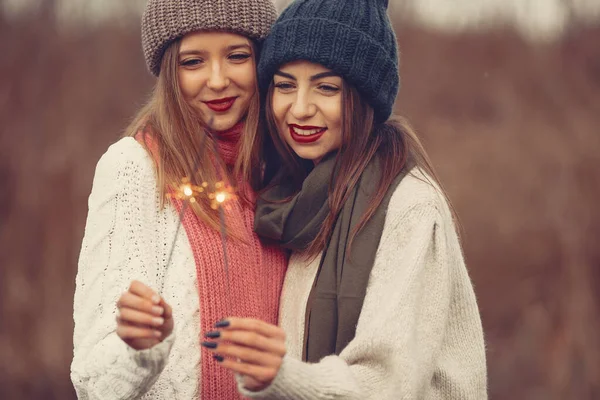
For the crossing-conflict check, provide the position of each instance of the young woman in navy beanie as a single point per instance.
(377, 302)
(152, 276)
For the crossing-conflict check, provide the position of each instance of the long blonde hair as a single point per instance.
(183, 145)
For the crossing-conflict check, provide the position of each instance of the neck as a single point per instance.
(228, 142)
(232, 133)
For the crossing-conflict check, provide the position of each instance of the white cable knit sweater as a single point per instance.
(127, 237)
(419, 335)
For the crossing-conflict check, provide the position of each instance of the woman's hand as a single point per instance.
(250, 347)
(144, 319)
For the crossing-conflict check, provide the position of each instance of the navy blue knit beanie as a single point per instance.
(351, 37)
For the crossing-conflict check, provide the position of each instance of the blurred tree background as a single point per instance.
(506, 95)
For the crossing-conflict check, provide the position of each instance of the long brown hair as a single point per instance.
(394, 142)
(183, 144)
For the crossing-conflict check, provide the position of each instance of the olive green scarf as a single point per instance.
(337, 295)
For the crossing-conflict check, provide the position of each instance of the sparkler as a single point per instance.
(218, 200)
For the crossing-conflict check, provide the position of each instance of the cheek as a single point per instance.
(280, 106)
(246, 77)
(190, 83)
(332, 111)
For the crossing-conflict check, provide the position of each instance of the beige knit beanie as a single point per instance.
(167, 20)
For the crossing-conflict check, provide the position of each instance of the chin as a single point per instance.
(308, 155)
(224, 122)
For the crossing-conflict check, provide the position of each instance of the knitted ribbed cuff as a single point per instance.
(297, 379)
(277, 389)
(154, 358)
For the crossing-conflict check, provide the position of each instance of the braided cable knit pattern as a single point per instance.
(164, 21)
(128, 236)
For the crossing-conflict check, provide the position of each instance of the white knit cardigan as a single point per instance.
(419, 335)
(128, 236)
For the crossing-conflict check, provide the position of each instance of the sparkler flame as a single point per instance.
(221, 197)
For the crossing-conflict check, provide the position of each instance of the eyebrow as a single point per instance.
(239, 46)
(229, 48)
(312, 78)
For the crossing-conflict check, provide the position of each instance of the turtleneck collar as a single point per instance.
(228, 142)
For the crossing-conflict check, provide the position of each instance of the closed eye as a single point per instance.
(239, 56)
(284, 86)
(328, 88)
(191, 62)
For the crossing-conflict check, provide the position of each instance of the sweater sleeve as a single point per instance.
(121, 201)
(419, 335)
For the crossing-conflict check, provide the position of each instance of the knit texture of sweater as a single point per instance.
(129, 236)
(419, 335)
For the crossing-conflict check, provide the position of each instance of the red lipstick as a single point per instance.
(306, 138)
(221, 105)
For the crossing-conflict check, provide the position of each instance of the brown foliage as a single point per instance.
(513, 129)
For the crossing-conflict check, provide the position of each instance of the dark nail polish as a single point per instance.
(218, 358)
(213, 334)
(222, 324)
(209, 345)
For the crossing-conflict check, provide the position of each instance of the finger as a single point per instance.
(144, 291)
(168, 310)
(251, 340)
(253, 325)
(126, 332)
(130, 300)
(247, 354)
(261, 374)
(132, 316)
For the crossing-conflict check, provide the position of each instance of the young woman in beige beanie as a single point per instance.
(145, 287)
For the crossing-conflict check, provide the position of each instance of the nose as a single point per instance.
(303, 108)
(218, 80)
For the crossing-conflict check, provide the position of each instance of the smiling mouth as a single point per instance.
(306, 134)
(221, 105)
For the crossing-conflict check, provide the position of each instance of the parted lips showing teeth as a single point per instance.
(306, 130)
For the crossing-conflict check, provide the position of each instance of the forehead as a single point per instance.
(212, 41)
(304, 66)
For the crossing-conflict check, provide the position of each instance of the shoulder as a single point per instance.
(418, 204)
(418, 221)
(126, 169)
(126, 151)
(126, 157)
(418, 195)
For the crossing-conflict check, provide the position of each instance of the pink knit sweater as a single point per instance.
(256, 272)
